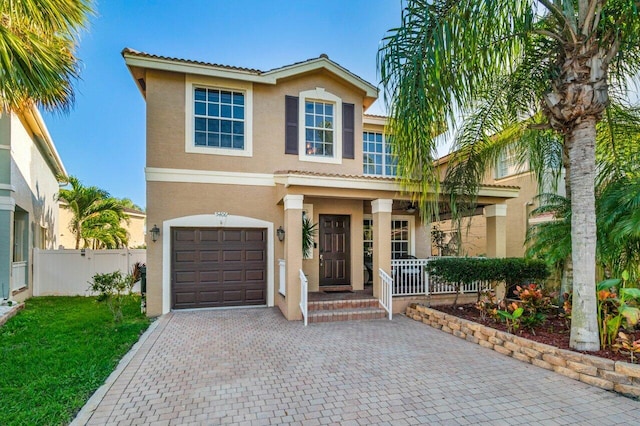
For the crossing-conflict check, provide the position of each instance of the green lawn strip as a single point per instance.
(55, 354)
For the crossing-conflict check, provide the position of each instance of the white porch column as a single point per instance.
(293, 253)
(496, 230)
(381, 211)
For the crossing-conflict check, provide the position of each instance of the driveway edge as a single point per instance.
(85, 413)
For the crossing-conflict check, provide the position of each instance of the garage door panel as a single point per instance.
(209, 276)
(208, 236)
(210, 297)
(254, 275)
(186, 297)
(209, 255)
(232, 296)
(181, 235)
(232, 256)
(232, 235)
(185, 256)
(254, 255)
(254, 235)
(213, 267)
(254, 295)
(232, 276)
(187, 277)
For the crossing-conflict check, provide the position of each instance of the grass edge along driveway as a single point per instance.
(56, 352)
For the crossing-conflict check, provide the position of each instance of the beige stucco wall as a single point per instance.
(166, 98)
(35, 188)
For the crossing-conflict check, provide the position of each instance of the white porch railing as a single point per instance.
(410, 277)
(18, 275)
(386, 292)
(304, 293)
(282, 288)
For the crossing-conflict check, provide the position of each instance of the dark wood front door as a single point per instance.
(335, 253)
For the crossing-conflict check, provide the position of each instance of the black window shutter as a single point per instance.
(291, 125)
(348, 119)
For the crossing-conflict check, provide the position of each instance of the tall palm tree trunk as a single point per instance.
(581, 148)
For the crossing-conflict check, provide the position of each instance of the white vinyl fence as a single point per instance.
(68, 272)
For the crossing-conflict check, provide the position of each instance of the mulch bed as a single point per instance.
(554, 332)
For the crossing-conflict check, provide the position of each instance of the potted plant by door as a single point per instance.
(309, 231)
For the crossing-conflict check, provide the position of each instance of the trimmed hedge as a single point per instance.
(512, 270)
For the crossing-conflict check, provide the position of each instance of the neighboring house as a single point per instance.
(235, 156)
(29, 164)
(472, 236)
(135, 227)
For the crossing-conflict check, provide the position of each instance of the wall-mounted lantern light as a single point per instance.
(155, 231)
(280, 233)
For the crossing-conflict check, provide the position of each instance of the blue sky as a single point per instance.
(102, 140)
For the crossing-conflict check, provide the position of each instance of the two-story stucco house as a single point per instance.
(236, 156)
(29, 166)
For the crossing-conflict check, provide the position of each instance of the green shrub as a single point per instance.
(113, 288)
(513, 271)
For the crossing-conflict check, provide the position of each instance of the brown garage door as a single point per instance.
(215, 267)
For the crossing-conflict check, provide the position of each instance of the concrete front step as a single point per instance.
(332, 305)
(354, 314)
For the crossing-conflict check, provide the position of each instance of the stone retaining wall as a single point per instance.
(618, 376)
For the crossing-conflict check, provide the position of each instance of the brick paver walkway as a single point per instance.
(251, 366)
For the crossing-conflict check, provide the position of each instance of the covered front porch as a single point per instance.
(367, 228)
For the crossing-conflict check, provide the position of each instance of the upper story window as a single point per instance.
(218, 117)
(508, 165)
(319, 128)
(377, 156)
(320, 132)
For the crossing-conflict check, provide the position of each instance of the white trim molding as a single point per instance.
(191, 83)
(7, 187)
(212, 221)
(494, 210)
(381, 205)
(319, 94)
(158, 174)
(293, 202)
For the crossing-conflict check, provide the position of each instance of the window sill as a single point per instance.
(219, 151)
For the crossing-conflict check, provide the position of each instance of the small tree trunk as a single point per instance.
(581, 148)
(566, 279)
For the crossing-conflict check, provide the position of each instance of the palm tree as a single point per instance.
(91, 208)
(105, 231)
(37, 52)
(557, 61)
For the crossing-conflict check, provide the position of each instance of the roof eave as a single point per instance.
(43, 140)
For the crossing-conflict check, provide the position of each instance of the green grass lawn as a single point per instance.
(56, 352)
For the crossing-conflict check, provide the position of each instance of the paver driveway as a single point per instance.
(251, 366)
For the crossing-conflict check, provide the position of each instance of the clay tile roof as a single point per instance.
(336, 175)
(253, 71)
(134, 52)
(368, 177)
(376, 116)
